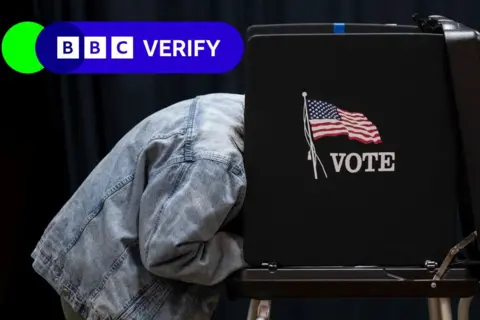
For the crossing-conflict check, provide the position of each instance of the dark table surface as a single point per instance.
(343, 282)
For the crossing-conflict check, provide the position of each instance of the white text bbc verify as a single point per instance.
(123, 47)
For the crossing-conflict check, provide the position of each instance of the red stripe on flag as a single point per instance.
(353, 124)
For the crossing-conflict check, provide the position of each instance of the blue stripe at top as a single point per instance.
(339, 28)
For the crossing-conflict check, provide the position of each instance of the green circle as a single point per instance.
(18, 47)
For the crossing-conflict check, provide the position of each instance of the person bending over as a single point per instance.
(142, 236)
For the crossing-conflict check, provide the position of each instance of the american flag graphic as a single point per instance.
(327, 120)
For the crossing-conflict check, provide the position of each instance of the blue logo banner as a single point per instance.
(139, 47)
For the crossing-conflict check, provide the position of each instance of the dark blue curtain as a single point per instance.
(92, 112)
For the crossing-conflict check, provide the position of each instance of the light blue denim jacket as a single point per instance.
(140, 238)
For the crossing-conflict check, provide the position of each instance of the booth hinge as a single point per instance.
(271, 266)
(431, 266)
(430, 25)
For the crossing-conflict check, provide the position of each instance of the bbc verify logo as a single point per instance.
(95, 48)
(139, 47)
(123, 47)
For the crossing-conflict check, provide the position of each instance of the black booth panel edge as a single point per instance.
(317, 28)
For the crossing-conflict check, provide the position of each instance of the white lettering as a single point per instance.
(122, 48)
(164, 47)
(68, 48)
(387, 161)
(150, 50)
(348, 162)
(181, 48)
(198, 47)
(213, 47)
(178, 47)
(95, 48)
(369, 156)
(338, 164)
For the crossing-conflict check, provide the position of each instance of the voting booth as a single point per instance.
(361, 162)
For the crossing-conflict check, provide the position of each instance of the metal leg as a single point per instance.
(259, 310)
(253, 309)
(434, 309)
(264, 310)
(445, 309)
(464, 308)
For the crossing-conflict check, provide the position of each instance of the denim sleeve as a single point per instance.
(181, 211)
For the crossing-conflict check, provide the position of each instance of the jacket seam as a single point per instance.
(144, 298)
(111, 271)
(188, 144)
(179, 176)
(235, 170)
(118, 262)
(188, 156)
(117, 187)
(84, 307)
(232, 167)
(167, 164)
(63, 285)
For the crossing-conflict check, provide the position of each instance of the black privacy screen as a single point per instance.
(350, 150)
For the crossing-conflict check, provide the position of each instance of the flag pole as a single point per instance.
(312, 154)
(309, 140)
